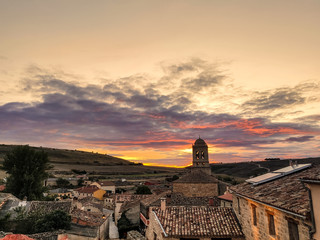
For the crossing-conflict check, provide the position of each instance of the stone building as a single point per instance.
(200, 156)
(193, 222)
(313, 185)
(198, 182)
(277, 205)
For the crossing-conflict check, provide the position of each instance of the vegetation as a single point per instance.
(35, 223)
(62, 183)
(27, 172)
(173, 178)
(142, 189)
(124, 226)
(53, 221)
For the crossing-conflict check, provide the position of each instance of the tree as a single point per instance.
(142, 189)
(27, 172)
(53, 221)
(62, 183)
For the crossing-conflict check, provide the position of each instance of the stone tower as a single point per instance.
(200, 156)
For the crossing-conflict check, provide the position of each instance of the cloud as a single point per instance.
(300, 139)
(140, 112)
(278, 99)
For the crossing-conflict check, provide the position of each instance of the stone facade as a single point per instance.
(196, 189)
(244, 210)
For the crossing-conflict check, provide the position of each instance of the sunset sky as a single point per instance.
(142, 80)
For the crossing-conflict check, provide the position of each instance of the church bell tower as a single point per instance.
(200, 156)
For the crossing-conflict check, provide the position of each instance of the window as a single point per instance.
(254, 214)
(197, 155)
(293, 229)
(238, 199)
(202, 155)
(272, 230)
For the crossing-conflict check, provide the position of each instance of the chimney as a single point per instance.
(211, 202)
(290, 163)
(163, 203)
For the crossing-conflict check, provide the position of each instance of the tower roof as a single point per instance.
(200, 142)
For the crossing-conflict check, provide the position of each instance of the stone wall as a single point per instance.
(261, 230)
(196, 189)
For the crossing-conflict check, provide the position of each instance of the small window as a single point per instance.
(293, 229)
(238, 200)
(272, 230)
(254, 214)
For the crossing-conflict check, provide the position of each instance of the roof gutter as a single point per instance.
(280, 209)
(165, 234)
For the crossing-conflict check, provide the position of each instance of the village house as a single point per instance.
(89, 204)
(108, 186)
(193, 222)
(61, 193)
(86, 191)
(87, 226)
(277, 205)
(226, 200)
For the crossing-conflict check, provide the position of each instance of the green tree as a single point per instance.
(53, 221)
(142, 189)
(62, 183)
(27, 172)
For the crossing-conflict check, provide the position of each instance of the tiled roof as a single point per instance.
(153, 198)
(16, 237)
(87, 189)
(196, 177)
(286, 193)
(178, 199)
(227, 197)
(199, 222)
(44, 207)
(87, 218)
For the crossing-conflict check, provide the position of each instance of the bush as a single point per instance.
(142, 189)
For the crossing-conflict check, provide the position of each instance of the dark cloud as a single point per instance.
(300, 139)
(279, 99)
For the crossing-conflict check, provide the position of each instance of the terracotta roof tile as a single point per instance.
(287, 192)
(87, 189)
(199, 222)
(44, 207)
(227, 196)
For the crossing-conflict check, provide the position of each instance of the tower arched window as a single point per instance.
(202, 154)
(197, 155)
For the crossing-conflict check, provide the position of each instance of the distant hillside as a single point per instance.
(64, 156)
(249, 169)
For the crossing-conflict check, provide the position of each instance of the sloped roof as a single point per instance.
(200, 142)
(90, 218)
(199, 222)
(227, 197)
(16, 237)
(88, 189)
(286, 193)
(196, 177)
(44, 207)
